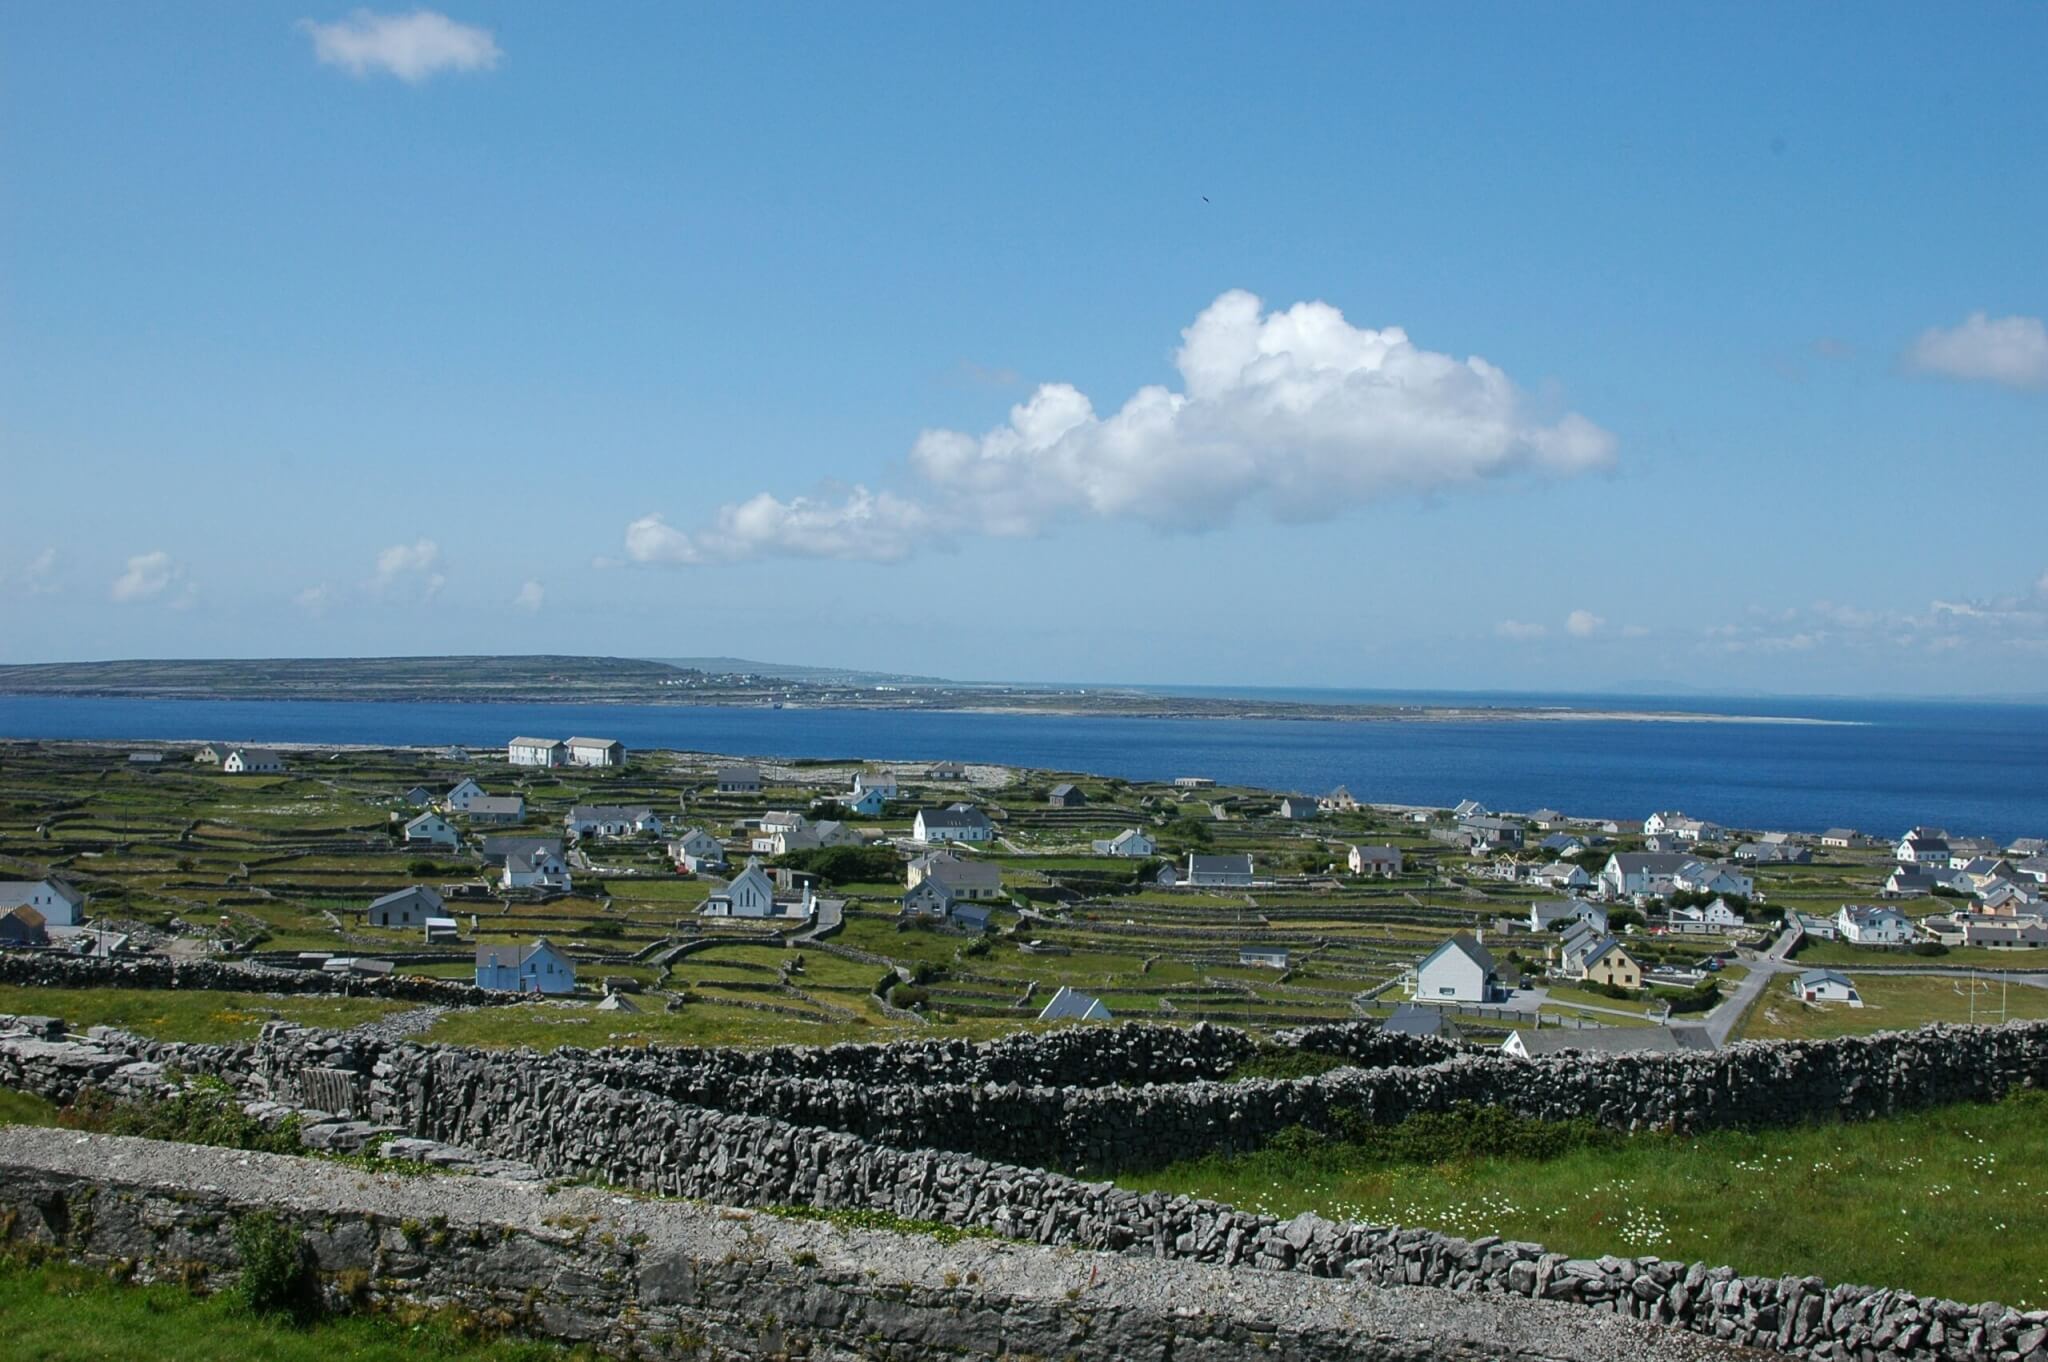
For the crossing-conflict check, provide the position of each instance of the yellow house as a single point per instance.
(1613, 965)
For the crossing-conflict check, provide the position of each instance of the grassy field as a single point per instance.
(1952, 1202)
(57, 1313)
(1848, 955)
(189, 1015)
(1891, 1003)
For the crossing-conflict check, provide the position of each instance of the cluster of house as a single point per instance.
(950, 888)
(753, 894)
(573, 752)
(237, 760)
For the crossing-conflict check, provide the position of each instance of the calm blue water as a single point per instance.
(1977, 768)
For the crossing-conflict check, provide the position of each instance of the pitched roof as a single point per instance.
(24, 888)
(535, 742)
(502, 956)
(1467, 947)
(1070, 1005)
(1616, 1040)
(1220, 865)
(954, 816)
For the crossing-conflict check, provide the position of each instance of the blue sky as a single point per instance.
(662, 330)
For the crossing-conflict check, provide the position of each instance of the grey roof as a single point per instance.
(954, 816)
(535, 742)
(955, 873)
(739, 773)
(1413, 1019)
(1825, 976)
(1220, 865)
(512, 957)
(1616, 1040)
(1842, 834)
(497, 804)
(595, 742)
(1471, 949)
(1070, 1005)
(497, 848)
(10, 888)
(605, 813)
(1063, 788)
(1652, 862)
(419, 891)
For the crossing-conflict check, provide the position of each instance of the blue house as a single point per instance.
(538, 968)
(868, 802)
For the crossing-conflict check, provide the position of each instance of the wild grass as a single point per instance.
(193, 1014)
(60, 1313)
(1950, 1202)
(1891, 1003)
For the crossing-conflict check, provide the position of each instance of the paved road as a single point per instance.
(1762, 971)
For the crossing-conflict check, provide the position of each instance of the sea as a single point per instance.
(1877, 766)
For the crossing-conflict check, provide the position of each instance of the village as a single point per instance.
(661, 896)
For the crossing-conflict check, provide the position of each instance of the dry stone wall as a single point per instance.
(648, 1279)
(52, 969)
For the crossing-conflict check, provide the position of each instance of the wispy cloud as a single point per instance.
(150, 576)
(412, 47)
(314, 600)
(2009, 351)
(36, 577)
(413, 567)
(1294, 413)
(532, 595)
(860, 526)
(1521, 631)
(2015, 621)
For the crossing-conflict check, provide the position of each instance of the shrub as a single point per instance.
(421, 868)
(203, 1111)
(275, 1266)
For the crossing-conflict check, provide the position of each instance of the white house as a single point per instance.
(1925, 847)
(57, 902)
(1545, 914)
(1469, 808)
(696, 851)
(431, 829)
(611, 820)
(252, 761)
(1298, 807)
(1129, 842)
(1339, 800)
(212, 753)
(596, 752)
(1874, 926)
(1629, 873)
(964, 879)
(1375, 860)
(536, 868)
(1459, 971)
(537, 752)
(1825, 986)
(739, 780)
(1218, 870)
(752, 894)
(457, 800)
(781, 820)
(539, 968)
(1070, 1005)
(954, 823)
(405, 907)
(1678, 825)
(497, 809)
(1840, 839)
(1562, 875)
(882, 783)
(927, 898)
(1263, 957)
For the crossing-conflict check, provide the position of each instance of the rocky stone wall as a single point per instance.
(648, 1279)
(547, 1112)
(52, 969)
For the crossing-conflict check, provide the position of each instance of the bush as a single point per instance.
(1467, 1131)
(204, 1111)
(421, 868)
(846, 865)
(275, 1266)
(1929, 948)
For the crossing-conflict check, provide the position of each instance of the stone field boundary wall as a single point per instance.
(52, 969)
(549, 1112)
(672, 1279)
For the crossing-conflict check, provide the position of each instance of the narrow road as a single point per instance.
(1763, 969)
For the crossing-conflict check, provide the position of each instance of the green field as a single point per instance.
(189, 1014)
(1891, 1003)
(1952, 1202)
(58, 1313)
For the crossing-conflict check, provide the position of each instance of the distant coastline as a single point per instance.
(643, 683)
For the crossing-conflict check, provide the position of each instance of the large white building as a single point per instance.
(596, 752)
(537, 752)
(954, 823)
(59, 904)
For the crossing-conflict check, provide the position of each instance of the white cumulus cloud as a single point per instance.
(1582, 624)
(531, 596)
(862, 526)
(2011, 351)
(411, 46)
(314, 599)
(1296, 412)
(413, 567)
(1295, 409)
(148, 576)
(1520, 630)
